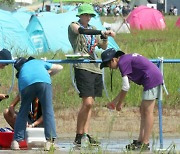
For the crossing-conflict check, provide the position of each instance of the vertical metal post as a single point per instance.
(160, 98)
(165, 6)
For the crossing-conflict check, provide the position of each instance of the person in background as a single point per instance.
(34, 82)
(4, 55)
(35, 118)
(140, 70)
(84, 38)
(175, 11)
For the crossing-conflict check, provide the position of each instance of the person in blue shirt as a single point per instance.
(34, 82)
(4, 55)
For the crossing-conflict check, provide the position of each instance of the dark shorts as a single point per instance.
(88, 83)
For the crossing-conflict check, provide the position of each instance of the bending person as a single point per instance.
(34, 82)
(138, 69)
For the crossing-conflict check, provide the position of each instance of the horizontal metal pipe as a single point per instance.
(91, 61)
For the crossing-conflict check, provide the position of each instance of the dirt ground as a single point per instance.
(113, 124)
(124, 124)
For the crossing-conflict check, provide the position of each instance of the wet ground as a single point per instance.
(65, 146)
(118, 146)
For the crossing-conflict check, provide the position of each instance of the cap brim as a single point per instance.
(93, 15)
(103, 64)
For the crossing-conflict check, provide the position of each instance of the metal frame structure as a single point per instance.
(159, 62)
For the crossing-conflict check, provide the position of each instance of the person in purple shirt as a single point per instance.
(140, 70)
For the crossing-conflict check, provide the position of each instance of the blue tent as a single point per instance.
(13, 36)
(23, 16)
(49, 31)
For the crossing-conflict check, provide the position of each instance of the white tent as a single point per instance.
(24, 1)
(108, 2)
(119, 26)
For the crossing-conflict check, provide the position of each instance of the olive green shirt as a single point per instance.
(79, 45)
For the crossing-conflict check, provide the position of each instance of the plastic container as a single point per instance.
(84, 141)
(35, 138)
(6, 139)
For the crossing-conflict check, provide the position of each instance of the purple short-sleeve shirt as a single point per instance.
(140, 70)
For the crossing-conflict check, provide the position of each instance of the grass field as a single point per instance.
(152, 44)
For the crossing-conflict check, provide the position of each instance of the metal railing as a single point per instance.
(159, 62)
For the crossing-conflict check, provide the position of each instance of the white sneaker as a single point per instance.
(15, 145)
(49, 145)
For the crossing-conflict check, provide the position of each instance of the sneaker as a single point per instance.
(137, 145)
(92, 141)
(49, 146)
(15, 145)
(77, 140)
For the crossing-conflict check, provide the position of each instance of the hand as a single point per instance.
(110, 33)
(119, 106)
(4, 96)
(111, 106)
(30, 125)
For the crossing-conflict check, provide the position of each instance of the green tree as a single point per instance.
(8, 2)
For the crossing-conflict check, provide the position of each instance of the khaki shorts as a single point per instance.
(151, 94)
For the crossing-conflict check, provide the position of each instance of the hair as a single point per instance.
(118, 54)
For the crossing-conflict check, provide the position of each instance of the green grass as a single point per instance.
(152, 44)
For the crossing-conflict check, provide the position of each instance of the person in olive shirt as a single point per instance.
(84, 38)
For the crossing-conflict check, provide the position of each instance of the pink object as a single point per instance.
(178, 22)
(143, 18)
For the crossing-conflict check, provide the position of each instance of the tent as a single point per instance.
(119, 26)
(138, 3)
(24, 1)
(108, 2)
(23, 16)
(178, 22)
(143, 17)
(49, 31)
(13, 36)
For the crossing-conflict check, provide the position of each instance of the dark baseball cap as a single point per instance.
(19, 63)
(108, 55)
(5, 55)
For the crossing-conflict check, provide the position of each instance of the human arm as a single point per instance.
(79, 30)
(55, 68)
(36, 123)
(118, 100)
(13, 104)
(3, 96)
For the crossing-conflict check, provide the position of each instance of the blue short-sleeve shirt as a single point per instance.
(32, 72)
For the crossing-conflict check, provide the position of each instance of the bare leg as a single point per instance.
(141, 133)
(84, 115)
(9, 118)
(147, 120)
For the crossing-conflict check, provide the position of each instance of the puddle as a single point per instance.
(119, 145)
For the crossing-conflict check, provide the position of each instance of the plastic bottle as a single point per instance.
(84, 141)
